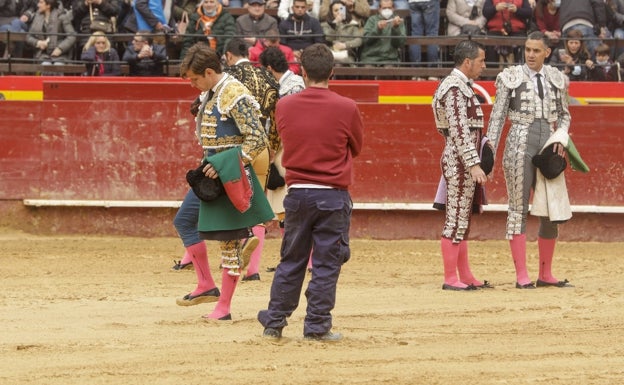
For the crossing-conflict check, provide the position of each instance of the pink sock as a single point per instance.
(450, 253)
(518, 253)
(546, 251)
(199, 256)
(310, 261)
(463, 266)
(254, 262)
(187, 258)
(228, 286)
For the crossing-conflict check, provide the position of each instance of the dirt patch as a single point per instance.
(101, 310)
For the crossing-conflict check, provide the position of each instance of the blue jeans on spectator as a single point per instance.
(186, 219)
(425, 22)
(316, 220)
(16, 25)
(588, 33)
(398, 4)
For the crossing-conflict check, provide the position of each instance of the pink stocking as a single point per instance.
(187, 258)
(463, 266)
(518, 253)
(199, 256)
(546, 251)
(450, 254)
(254, 262)
(228, 286)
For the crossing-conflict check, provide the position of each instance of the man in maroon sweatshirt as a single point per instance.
(321, 133)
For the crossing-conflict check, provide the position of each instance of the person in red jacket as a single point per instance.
(271, 39)
(321, 133)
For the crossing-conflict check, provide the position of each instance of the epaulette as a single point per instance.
(555, 77)
(511, 77)
(452, 81)
(232, 92)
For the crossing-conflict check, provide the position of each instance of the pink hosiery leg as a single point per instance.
(518, 253)
(199, 256)
(228, 286)
(254, 263)
(546, 251)
(450, 254)
(463, 266)
(187, 258)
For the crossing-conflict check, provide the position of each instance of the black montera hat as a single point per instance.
(206, 189)
(550, 163)
(487, 159)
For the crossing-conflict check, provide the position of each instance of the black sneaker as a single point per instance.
(323, 337)
(272, 333)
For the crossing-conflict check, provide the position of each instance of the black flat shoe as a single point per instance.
(253, 277)
(211, 295)
(181, 266)
(529, 285)
(457, 288)
(564, 283)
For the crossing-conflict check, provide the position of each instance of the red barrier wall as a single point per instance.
(140, 149)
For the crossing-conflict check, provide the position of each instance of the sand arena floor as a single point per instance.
(101, 310)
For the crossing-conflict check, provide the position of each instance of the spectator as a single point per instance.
(86, 11)
(144, 57)
(284, 9)
(425, 17)
(265, 90)
(256, 23)
(359, 10)
(465, 17)
(546, 15)
(343, 34)
(587, 16)
(506, 18)
(574, 59)
(149, 15)
(271, 39)
(212, 23)
(101, 58)
(615, 17)
(300, 30)
(51, 33)
(19, 22)
(384, 36)
(604, 69)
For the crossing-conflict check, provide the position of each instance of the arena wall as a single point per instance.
(132, 142)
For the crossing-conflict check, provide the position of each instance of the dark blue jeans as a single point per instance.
(318, 220)
(425, 22)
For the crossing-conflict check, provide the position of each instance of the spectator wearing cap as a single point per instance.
(255, 23)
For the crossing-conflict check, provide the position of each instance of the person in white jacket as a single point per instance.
(535, 98)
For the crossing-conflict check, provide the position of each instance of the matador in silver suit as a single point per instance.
(459, 119)
(533, 121)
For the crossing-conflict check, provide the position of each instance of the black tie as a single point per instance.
(540, 89)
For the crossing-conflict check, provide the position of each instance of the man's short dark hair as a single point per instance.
(199, 58)
(318, 62)
(237, 47)
(539, 35)
(275, 58)
(466, 49)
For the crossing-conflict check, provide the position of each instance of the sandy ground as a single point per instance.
(101, 310)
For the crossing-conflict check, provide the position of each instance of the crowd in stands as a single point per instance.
(144, 34)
